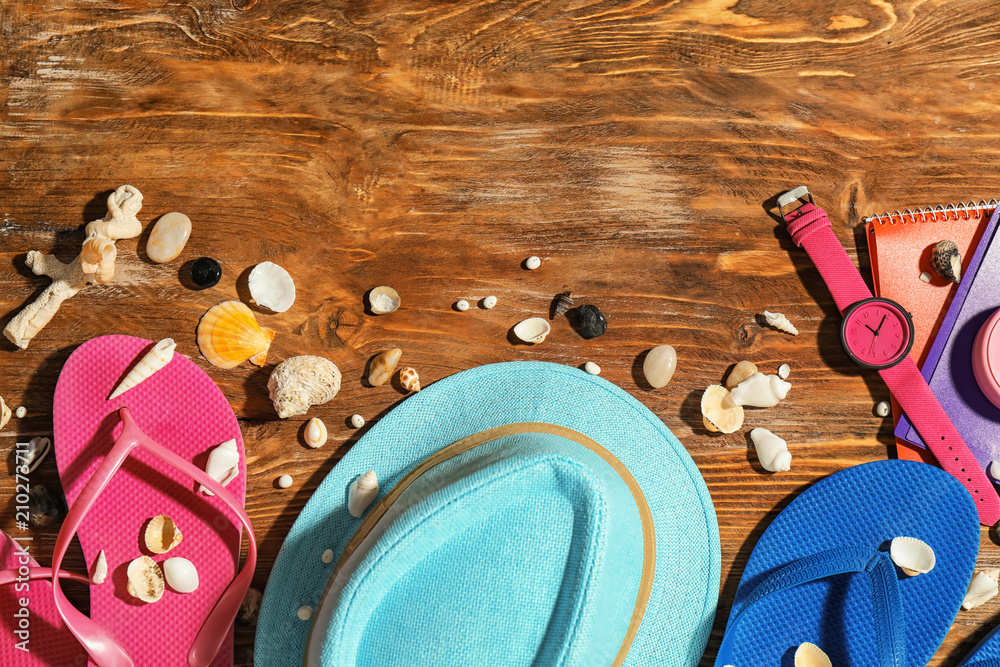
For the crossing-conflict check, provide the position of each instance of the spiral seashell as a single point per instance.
(382, 366)
(363, 491)
(780, 322)
(298, 383)
(145, 579)
(772, 451)
(982, 588)
(561, 304)
(223, 465)
(228, 335)
(946, 261)
(158, 357)
(409, 379)
(761, 391)
(100, 569)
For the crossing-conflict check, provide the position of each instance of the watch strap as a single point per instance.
(811, 230)
(942, 438)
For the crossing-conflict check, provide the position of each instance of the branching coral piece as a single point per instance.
(96, 263)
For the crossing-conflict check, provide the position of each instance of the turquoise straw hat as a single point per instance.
(528, 514)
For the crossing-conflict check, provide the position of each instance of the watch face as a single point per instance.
(877, 333)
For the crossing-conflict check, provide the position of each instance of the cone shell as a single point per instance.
(161, 534)
(99, 572)
(228, 335)
(810, 655)
(913, 556)
(152, 361)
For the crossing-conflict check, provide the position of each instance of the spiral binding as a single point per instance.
(934, 213)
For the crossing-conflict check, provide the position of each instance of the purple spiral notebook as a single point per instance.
(948, 368)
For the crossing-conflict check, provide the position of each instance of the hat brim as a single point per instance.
(681, 608)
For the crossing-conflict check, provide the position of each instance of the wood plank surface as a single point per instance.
(432, 146)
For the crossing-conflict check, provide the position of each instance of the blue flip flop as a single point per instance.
(986, 653)
(821, 572)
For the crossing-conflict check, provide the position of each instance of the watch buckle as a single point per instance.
(798, 194)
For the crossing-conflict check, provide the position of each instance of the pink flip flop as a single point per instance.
(126, 460)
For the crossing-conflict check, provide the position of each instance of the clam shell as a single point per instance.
(315, 434)
(145, 579)
(740, 372)
(913, 556)
(161, 534)
(152, 361)
(181, 574)
(382, 366)
(35, 453)
(810, 655)
(718, 410)
(946, 260)
(409, 379)
(383, 300)
(250, 608)
(228, 335)
(271, 287)
(532, 330)
(100, 569)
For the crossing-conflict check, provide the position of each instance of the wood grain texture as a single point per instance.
(635, 146)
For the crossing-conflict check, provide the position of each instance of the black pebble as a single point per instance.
(43, 510)
(206, 272)
(589, 321)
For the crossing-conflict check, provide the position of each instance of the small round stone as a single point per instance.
(304, 613)
(169, 236)
(285, 481)
(462, 305)
(357, 421)
(659, 365)
(590, 321)
(206, 272)
(592, 368)
(328, 556)
(532, 263)
(784, 370)
(882, 409)
(489, 302)
(20, 412)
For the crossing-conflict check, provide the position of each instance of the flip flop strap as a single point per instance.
(890, 630)
(102, 649)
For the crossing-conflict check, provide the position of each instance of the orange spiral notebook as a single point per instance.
(899, 245)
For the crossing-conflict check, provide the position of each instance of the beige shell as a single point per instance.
(810, 655)
(145, 579)
(532, 330)
(298, 383)
(228, 335)
(409, 379)
(982, 588)
(315, 434)
(772, 451)
(761, 391)
(100, 569)
(361, 493)
(159, 356)
(740, 372)
(162, 534)
(383, 300)
(913, 556)
(382, 366)
(250, 608)
(718, 410)
(4, 413)
(780, 322)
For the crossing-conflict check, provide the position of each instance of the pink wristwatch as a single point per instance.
(878, 333)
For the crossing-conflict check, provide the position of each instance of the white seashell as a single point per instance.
(810, 655)
(532, 263)
(285, 481)
(383, 300)
(780, 322)
(162, 534)
(592, 368)
(145, 580)
(718, 411)
(913, 556)
(315, 434)
(304, 613)
(462, 305)
(100, 569)
(532, 330)
(882, 409)
(357, 421)
(926, 277)
(298, 383)
(4, 412)
(363, 491)
(772, 451)
(37, 450)
(327, 556)
(993, 468)
(983, 587)
(761, 391)
(659, 365)
(223, 465)
(250, 608)
(272, 287)
(180, 574)
(152, 361)
(783, 371)
(489, 302)
(21, 412)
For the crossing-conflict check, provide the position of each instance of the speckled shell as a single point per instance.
(409, 379)
(300, 382)
(382, 366)
(145, 579)
(228, 335)
(946, 261)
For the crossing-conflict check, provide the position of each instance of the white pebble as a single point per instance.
(592, 368)
(784, 370)
(285, 481)
(462, 305)
(926, 277)
(357, 421)
(20, 412)
(489, 302)
(328, 556)
(882, 409)
(305, 612)
(532, 263)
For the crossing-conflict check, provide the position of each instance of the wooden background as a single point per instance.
(636, 146)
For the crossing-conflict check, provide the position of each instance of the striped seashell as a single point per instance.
(228, 335)
(152, 361)
(561, 304)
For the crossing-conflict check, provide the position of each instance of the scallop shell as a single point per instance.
(946, 261)
(223, 464)
(315, 434)
(780, 322)
(161, 534)
(363, 491)
(152, 361)
(382, 366)
(145, 579)
(38, 448)
(810, 655)
(532, 330)
(250, 608)
(772, 451)
(982, 588)
(383, 300)
(181, 574)
(298, 383)
(4, 413)
(100, 569)
(718, 410)
(740, 372)
(913, 556)
(228, 335)
(271, 287)
(409, 379)
(561, 304)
